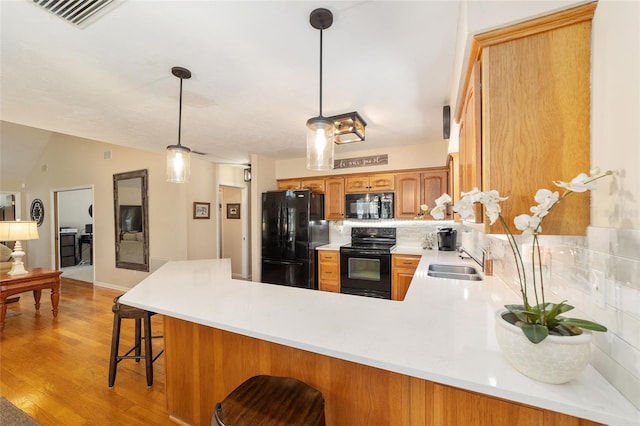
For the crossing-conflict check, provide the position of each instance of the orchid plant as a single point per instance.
(542, 318)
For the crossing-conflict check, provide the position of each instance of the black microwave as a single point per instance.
(369, 206)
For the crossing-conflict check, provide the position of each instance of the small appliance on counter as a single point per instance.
(447, 239)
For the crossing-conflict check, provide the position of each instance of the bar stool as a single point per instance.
(270, 401)
(121, 312)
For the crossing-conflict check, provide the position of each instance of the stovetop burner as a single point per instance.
(382, 240)
(371, 246)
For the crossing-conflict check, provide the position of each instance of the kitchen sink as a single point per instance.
(455, 269)
(454, 272)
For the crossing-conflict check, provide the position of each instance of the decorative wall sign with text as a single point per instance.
(372, 160)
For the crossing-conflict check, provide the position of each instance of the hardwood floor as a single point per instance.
(56, 370)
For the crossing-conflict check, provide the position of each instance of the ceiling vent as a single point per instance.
(79, 13)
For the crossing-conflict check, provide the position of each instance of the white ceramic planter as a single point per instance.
(557, 359)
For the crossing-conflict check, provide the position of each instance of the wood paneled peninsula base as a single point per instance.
(35, 280)
(205, 364)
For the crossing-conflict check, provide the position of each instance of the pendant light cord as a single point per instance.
(320, 72)
(180, 114)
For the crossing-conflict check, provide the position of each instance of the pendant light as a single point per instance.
(320, 130)
(178, 156)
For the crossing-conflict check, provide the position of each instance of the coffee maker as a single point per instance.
(447, 239)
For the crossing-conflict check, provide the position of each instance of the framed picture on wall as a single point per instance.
(201, 210)
(233, 211)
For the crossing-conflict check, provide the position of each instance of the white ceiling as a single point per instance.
(255, 73)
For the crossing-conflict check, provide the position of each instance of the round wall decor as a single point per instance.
(37, 211)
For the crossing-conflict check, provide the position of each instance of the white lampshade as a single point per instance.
(18, 231)
(15, 230)
(320, 142)
(178, 163)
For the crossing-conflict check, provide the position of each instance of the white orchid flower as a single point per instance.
(472, 196)
(438, 212)
(580, 183)
(545, 199)
(493, 212)
(529, 225)
(465, 208)
(443, 200)
(491, 197)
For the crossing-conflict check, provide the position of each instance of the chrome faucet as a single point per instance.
(463, 251)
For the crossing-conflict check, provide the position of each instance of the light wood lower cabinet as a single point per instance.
(204, 364)
(402, 269)
(329, 270)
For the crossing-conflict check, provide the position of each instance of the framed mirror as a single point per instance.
(131, 220)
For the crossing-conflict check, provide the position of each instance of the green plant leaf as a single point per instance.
(536, 333)
(576, 322)
(518, 311)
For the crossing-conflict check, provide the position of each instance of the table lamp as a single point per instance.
(18, 231)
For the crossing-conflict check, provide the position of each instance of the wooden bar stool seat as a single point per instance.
(121, 312)
(271, 401)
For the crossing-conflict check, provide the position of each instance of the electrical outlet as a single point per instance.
(598, 287)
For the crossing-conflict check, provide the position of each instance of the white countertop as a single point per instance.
(417, 337)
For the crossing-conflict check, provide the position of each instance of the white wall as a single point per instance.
(264, 179)
(77, 162)
(432, 154)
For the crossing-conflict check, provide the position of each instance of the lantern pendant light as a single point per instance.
(178, 156)
(320, 130)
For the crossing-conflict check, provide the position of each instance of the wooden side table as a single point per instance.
(35, 280)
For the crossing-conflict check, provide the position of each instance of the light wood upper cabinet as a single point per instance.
(402, 269)
(435, 182)
(287, 184)
(379, 182)
(411, 189)
(329, 270)
(535, 115)
(414, 189)
(334, 198)
(315, 185)
(407, 195)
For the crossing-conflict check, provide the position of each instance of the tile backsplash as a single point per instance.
(600, 276)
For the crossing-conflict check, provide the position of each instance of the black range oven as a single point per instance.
(365, 264)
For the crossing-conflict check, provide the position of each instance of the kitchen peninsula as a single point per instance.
(375, 361)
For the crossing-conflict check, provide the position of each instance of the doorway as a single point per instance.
(74, 233)
(234, 229)
(9, 206)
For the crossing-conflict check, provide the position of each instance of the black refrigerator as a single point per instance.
(293, 226)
